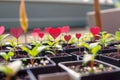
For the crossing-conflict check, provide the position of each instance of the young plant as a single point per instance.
(117, 36)
(93, 49)
(105, 39)
(87, 37)
(11, 69)
(2, 37)
(7, 56)
(51, 47)
(34, 52)
(14, 45)
(54, 33)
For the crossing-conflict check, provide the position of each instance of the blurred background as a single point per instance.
(54, 13)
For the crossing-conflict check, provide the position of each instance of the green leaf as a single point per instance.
(50, 43)
(86, 45)
(117, 35)
(95, 50)
(107, 36)
(3, 36)
(41, 48)
(10, 53)
(26, 49)
(35, 51)
(4, 55)
(92, 45)
(72, 40)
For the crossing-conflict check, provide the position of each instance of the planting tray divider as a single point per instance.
(31, 75)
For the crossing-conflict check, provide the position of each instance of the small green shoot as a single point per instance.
(7, 56)
(105, 39)
(2, 37)
(93, 49)
(34, 52)
(51, 47)
(117, 35)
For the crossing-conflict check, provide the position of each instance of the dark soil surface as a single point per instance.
(87, 69)
(37, 63)
(20, 55)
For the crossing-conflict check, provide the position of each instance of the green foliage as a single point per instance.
(3, 36)
(117, 35)
(13, 42)
(72, 40)
(51, 47)
(87, 37)
(105, 39)
(93, 49)
(35, 51)
(36, 43)
(7, 56)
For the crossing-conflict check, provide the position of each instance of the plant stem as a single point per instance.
(54, 49)
(92, 64)
(8, 77)
(32, 62)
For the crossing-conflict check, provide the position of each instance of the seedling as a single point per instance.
(51, 47)
(14, 45)
(105, 39)
(54, 32)
(93, 49)
(34, 52)
(117, 35)
(7, 56)
(11, 69)
(2, 37)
